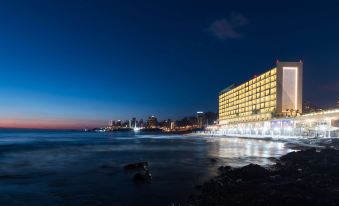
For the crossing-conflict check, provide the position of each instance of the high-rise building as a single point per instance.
(110, 123)
(200, 119)
(141, 123)
(277, 92)
(152, 122)
(172, 126)
(134, 122)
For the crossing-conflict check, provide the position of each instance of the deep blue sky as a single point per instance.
(100, 60)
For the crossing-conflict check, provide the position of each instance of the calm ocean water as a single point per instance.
(78, 168)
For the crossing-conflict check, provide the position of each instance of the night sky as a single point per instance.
(81, 63)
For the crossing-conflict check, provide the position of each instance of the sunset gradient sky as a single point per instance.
(74, 64)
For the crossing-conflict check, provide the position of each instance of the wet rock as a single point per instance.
(137, 165)
(142, 177)
(252, 171)
(273, 159)
(198, 187)
(309, 177)
(224, 169)
(213, 160)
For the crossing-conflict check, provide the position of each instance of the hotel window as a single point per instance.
(273, 84)
(273, 97)
(267, 104)
(273, 71)
(272, 103)
(273, 90)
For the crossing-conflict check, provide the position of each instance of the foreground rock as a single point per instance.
(307, 177)
(138, 165)
(142, 177)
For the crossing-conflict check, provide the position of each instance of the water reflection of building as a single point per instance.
(240, 151)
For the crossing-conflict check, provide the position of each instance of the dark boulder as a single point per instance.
(225, 169)
(273, 159)
(142, 177)
(251, 171)
(137, 165)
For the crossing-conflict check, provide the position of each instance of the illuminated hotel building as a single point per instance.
(273, 94)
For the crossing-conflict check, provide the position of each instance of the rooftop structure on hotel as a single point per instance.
(275, 93)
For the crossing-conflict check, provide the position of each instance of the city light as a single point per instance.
(136, 129)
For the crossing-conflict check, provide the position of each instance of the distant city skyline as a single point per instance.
(74, 64)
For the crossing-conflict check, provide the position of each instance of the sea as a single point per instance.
(47, 168)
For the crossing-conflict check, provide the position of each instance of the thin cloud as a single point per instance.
(227, 28)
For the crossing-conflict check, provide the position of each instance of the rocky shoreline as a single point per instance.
(307, 177)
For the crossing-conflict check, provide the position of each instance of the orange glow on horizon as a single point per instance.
(49, 123)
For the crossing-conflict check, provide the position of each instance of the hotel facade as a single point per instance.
(270, 105)
(275, 93)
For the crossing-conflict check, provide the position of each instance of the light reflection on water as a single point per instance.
(73, 168)
(241, 151)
